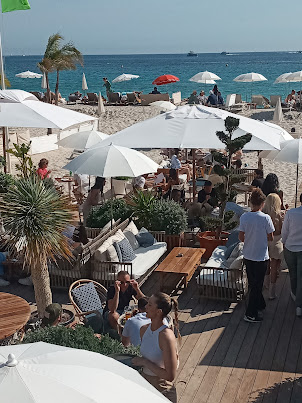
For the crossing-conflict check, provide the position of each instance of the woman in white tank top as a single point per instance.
(158, 348)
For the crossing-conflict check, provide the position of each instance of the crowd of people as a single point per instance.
(214, 98)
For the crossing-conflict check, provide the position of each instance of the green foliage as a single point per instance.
(209, 223)
(141, 205)
(6, 181)
(99, 216)
(25, 167)
(80, 337)
(169, 216)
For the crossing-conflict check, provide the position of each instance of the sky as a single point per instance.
(155, 26)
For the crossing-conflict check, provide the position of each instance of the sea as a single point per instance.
(150, 66)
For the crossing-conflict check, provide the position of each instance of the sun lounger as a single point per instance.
(38, 95)
(114, 98)
(260, 100)
(92, 98)
(176, 98)
(231, 105)
(131, 98)
(274, 99)
(147, 99)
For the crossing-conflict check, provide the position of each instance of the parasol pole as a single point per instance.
(5, 129)
(194, 174)
(297, 176)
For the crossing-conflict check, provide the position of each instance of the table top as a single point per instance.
(14, 314)
(183, 264)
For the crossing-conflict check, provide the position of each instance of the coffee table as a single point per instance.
(181, 262)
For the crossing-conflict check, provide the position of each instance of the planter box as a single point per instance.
(174, 241)
(208, 241)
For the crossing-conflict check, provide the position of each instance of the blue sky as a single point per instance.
(156, 26)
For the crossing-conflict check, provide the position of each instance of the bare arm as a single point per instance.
(113, 303)
(135, 285)
(126, 341)
(270, 237)
(241, 236)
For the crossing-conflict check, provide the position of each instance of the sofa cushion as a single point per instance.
(112, 254)
(132, 228)
(147, 257)
(217, 258)
(132, 239)
(87, 298)
(237, 263)
(236, 252)
(126, 250)
(98, 254)
(229, 250)
(233, 238)
(144, 238)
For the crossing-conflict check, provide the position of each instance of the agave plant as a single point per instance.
(34, 216)
(141, 204)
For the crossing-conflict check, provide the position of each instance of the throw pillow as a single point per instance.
(132, 239)
(132, 228)
(112, 254)
(229, 250)
(237, 263)
(118, 236)
(233, 238)
(126, 250)
(144, 238)
(87, 298)
(118, 251)
(236, 252)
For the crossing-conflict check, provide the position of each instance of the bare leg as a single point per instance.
(113, 318)
(275, 264)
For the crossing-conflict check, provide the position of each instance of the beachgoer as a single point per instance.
(173, 180)
(139, 183)
(52, 315)
(42, 170)
(158, 346)
(292, 240)
(93, 197)
(107, 85)
(131, 332)
(175, 159)
(272, 207)
(208, 196)
(271, 185)
(215, 90)
(215, 178)
(202, 98)
(119, 296)
(255, 230)
(193, 99)
(215, 99)
(291, 98)
(155, 91)
(237, 164)
(258, 179)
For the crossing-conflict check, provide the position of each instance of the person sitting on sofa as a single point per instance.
(155, 91)
(119, 296)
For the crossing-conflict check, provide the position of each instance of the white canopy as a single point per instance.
(295, 77)
(205, 77)
(28, 74)
(283, 78)
(194, 127)
(82, 140)
(84, 83)
(47, 373)
(124, 77)
(278, 114)
(284, 135)
(21, 109)
(164, 105)
(110, 161)
(250, 78)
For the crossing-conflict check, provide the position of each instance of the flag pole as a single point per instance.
(5, 129)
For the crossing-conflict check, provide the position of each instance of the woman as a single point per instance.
(272, 207)
(93, 197)
(255, 230)
(42, 170)
(173, 180)
(271, 185)
(158, 347)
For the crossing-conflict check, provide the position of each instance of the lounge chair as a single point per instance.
(231, 105)
(92, 98)
(131, 98)
(38, 95)
(147, 99)
(176, 98)
(260, 100)
(274, 99)
(114, 98)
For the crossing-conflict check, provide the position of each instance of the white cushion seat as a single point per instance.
(147, 258)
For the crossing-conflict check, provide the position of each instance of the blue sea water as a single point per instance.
(148, 67)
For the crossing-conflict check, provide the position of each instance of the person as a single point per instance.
(158, 346)
(173, 180)
(215, 90)
(215, 99)
(272, 207)
(52, 315)
(208, 194)
(215, 178)
(139, 183)
(258, 179)
(271, 185)
(131, 332)
(292, 240)
(107, 85)
(255, 230)
(291, 98)
(119, 296)
(93, 197)
(175, 159)
(237, 164)
(193, 99)
(42, 170)
(155, 91)
(202, 98)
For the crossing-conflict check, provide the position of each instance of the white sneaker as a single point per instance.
(293, 296)
(4, 283)
(25, 281)
(298, 311)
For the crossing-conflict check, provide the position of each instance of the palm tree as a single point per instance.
(34, 216)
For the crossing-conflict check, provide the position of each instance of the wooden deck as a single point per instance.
(224, 359)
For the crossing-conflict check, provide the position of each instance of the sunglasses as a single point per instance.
(125, 282)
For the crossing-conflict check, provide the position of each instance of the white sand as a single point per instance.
(119, 117)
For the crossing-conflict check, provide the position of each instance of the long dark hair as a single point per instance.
(99, 183)
(166, 304)
(270, 184)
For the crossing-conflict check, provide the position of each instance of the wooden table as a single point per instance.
(14, 314)
(182, 266)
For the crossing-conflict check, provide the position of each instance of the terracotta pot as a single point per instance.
(174, 240)
(208, 241)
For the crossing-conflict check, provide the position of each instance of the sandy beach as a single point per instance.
(117, 118)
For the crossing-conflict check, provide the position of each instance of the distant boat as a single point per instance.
(224, 53)
(191, 53)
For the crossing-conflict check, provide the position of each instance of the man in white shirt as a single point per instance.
(131, 332)
(292, 239)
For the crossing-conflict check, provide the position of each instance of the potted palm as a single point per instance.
(34, 217)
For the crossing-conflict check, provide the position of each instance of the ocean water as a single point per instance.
(148, 67)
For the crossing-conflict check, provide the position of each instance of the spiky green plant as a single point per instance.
(34, 216)
(141, 204)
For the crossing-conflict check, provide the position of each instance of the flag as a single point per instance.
(13, 5)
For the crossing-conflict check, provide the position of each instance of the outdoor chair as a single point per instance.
(92, 98)
(260, 100)
(274, 99)
(131, 98)
(38, 95)
(114, 98)
(72, 99)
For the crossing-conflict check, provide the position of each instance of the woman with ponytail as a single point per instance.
(158, 347)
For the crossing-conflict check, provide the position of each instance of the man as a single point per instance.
(155, 91)
(175, 159)
(131, 332)
(258, 179)
(193, 99)
(291, 98)
(202, 98)
(107, 85)
(52, 315)
(119, 296)
(215, 99)
(292, 239)
(208, 194)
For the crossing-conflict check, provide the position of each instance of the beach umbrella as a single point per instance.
(43, 82)
(283, 78)
(84, 83)
(82, 140)
(163, 105)
(295, 78)
(110, 160)
(165, 79)
(204, 77)
(101, 107)
(124, 77)
(284, 135)
(250, 78)
(22, 109)
(28, 74)
(47, 373)
(278, 114)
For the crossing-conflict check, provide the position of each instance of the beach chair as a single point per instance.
(38, 95)
(114, 98)
(92, 98)
(259, 100)
(274, 99)
(131, 98)
(176, 98)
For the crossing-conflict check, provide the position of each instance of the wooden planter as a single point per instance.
(208, 241)
(174, 240)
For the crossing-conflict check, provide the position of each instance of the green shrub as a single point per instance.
(80, 337)
(6, 181)
(99, 216)
(141, 205)
(169, 216)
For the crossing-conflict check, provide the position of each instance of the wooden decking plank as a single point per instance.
(296, 396)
